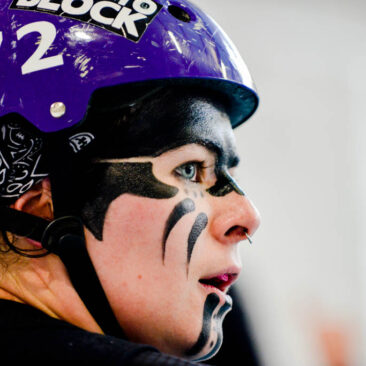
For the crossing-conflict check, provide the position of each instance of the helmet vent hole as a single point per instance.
(179, 13)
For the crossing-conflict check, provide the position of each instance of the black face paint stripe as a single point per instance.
(216, 346)
(115, 179)
(197, 228)
(182, 208)
(211, 303)
(224, 185)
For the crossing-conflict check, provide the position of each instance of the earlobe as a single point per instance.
(37, 201)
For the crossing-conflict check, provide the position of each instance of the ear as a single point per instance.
(37, 201)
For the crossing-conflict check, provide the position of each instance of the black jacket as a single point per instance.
(29, 336)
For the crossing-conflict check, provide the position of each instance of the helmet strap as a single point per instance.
(64, 236)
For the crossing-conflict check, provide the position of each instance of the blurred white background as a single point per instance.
(304, 166)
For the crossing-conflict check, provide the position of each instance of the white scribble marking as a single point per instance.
(3, 161)
(82, 63)
(37, 175)
(175, 41)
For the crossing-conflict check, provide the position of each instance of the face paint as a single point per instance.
(150, 130)
(224, 185)
(116, 179)
(140, 228)
(197, 228)
(210, 338)
(181, 209)
(167, 121)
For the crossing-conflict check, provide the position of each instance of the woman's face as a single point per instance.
(167, 249)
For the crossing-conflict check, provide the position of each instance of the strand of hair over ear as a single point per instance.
(23, 252)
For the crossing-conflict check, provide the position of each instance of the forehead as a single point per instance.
(173, 119)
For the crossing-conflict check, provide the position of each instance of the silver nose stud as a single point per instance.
(249, 238)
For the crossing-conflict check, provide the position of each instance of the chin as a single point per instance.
(211, 337)
(209, 350)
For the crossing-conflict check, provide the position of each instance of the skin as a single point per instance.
(152, 233)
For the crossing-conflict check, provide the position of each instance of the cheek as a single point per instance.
(135, 219)
(146, 294)
(131, 249)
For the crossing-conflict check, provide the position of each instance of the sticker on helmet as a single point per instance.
(80, 140)
(128, 18)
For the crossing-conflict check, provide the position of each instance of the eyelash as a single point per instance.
(199, 165)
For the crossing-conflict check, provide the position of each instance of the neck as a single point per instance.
(44, 284)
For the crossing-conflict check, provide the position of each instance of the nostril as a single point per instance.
(237, 230)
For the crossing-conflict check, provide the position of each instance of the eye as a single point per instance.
(189, 171)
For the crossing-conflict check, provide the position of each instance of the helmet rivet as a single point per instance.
(57, 109)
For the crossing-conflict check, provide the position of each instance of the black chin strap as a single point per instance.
(65, 235)
(22, 224)
(65, 238)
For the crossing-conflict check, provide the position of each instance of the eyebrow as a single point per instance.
(233, 159)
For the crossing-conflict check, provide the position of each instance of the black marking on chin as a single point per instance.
(115, 179)
(224, 185)
(182, 208)
(211, 303)
(218, 318)
(197, 228)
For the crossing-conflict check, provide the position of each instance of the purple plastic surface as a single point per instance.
(94, 57)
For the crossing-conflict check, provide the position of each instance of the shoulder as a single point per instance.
(27, 334)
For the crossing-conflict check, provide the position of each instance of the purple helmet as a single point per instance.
(55, 55)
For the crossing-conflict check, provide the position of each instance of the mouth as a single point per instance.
(221, 282)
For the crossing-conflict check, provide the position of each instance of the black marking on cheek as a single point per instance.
(211, 303)
(224, 185)
(197, 228)
(181, 209)
(116, 179)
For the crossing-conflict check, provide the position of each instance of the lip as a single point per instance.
(220, 281)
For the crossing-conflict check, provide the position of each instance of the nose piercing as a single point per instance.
(249, 238)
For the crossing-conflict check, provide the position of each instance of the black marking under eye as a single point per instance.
(224, 185)
(182, 208)
(197, 228)
(116, 179)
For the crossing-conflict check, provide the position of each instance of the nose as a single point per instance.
(235, 217)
